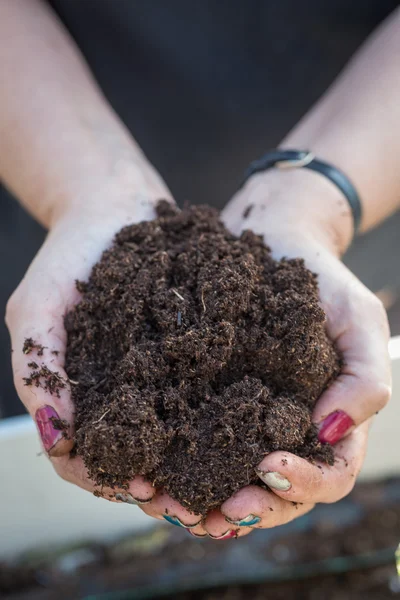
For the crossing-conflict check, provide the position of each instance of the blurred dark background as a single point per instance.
(206, 88)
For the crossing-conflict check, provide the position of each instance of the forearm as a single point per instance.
(356, 124)
(61, 145)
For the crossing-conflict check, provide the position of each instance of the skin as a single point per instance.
(75, 167)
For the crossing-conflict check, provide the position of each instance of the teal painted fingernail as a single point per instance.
(246, 522)
(173, 520)
(178, 522)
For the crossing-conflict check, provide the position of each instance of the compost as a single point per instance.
(193, 355)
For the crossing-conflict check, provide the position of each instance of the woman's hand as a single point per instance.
(302, 214)
(36, 310)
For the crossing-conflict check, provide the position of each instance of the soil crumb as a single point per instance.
(195, 354)
(30, 344)
(247, 211)
(43, 377)
(60, 424)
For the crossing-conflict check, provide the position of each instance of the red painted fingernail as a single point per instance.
(45, 417)
(334, 427)
(225, 536)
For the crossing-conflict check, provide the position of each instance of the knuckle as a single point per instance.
(11, 308)
(342, 492)
(312, 484)
(378, 309)
(376, 304)
(15, 306)
(61, 471)
(350, 485)
(66, 469)
(382, 394)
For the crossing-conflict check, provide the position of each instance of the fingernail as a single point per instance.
(225, 536)
(246, 522)
(196, 535)
(45, 418)
(129, 499)
(334, 427)
(178, 522)
(274, 480)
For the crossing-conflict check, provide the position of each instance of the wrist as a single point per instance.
(126, 193)
(98, 168)
(302, 202)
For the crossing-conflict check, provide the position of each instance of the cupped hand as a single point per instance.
(36, 310)
(302, 215)
(356, 322)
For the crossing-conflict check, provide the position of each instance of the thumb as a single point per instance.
(34, 317)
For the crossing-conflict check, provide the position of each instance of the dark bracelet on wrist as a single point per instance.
(292, 159)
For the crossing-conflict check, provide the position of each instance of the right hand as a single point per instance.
(36, 310)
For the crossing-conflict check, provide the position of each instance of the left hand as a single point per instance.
(302, 215)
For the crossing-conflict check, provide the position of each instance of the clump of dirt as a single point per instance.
(45, 378)
(195, 354)
(30, 344)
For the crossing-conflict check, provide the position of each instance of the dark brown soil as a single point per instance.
(30, 344)
(43, 377)
(196, 354)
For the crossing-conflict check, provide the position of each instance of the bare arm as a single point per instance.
(356, 124)
(61, 144)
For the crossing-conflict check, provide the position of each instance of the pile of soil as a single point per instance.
(194, 354)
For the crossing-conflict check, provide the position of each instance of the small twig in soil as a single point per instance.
(102, 416)
(98, 384)
(202, 300)
(178, 294)
(179, 318)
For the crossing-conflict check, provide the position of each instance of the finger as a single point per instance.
(163, 506)
(161, 503)
(38, 341)
(139, 492)
(358, 325)
(36, 311)
(298, 480)
(198, 532)
(257, 508)
(219, 529)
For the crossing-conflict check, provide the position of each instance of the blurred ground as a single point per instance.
(343, 551)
